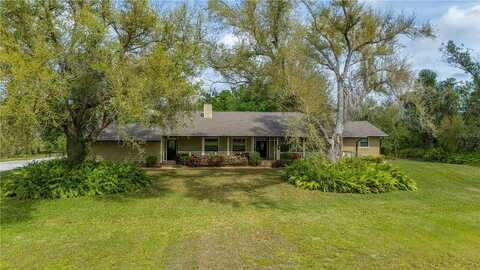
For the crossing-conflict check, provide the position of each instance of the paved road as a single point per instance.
(9, 165)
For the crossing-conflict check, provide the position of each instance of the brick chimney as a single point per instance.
(207, 111)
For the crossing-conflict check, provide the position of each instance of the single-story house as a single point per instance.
(228, 133)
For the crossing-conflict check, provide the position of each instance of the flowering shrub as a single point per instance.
(236, 160)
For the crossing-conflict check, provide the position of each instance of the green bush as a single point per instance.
(254, 159)
(151, 161)
(352, 175)
(184, 159)
(464, 158)
(60, 179)
(440, 155)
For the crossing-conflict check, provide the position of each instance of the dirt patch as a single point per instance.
(234, 249)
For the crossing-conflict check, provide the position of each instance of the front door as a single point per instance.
(171, 149)
(261, 148)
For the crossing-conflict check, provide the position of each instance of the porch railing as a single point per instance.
(232, 153)
(206, 153)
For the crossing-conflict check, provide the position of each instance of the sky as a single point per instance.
(452, 20)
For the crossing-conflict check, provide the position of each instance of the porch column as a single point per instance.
(165, 148)
(161, 149)
(277, 150)
(270, 153)
(253, 144)
(228, 146)
(203, 146)
(303, 147)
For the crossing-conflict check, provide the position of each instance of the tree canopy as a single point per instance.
(256, 65)
(433, 113)
(75, 67)
(69, 69)
(358, 47)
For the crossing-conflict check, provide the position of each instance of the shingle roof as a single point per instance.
(358, 129)
(232, 124)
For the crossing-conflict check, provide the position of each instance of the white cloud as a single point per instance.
(230, 40)
(463, 22)
(461, 25)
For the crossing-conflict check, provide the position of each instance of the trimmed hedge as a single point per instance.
(60, 179)
(349, 175)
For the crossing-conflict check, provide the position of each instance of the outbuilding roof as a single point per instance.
(359, 129)
(272, 124)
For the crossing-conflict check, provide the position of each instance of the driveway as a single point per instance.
(9, 165)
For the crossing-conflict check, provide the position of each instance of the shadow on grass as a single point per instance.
(237, 188)
(15, 211)
(158, 188)
(232, 187)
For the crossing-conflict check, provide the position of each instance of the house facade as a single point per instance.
(228, 133)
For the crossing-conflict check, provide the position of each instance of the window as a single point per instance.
(239, 145)
(364, 142)
(211, 144)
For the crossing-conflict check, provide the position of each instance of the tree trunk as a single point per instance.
(76, 148)
(335, 152)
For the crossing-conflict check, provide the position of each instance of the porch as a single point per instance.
(269, 148)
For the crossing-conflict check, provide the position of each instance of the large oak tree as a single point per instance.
(78, 66)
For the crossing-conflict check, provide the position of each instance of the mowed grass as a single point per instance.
(234, 219)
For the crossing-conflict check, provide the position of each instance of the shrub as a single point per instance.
(151, 161)
(464, 158)
(215, 161)
(206, 161)
(440, 155)
(198, 161)
(352, 175)
(60, 179)
(236, 160)
(184, 159)
(279, 163)
(254, 159)
(434, 154)
(287, 156)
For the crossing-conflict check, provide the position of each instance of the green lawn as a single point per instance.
(223, 219)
